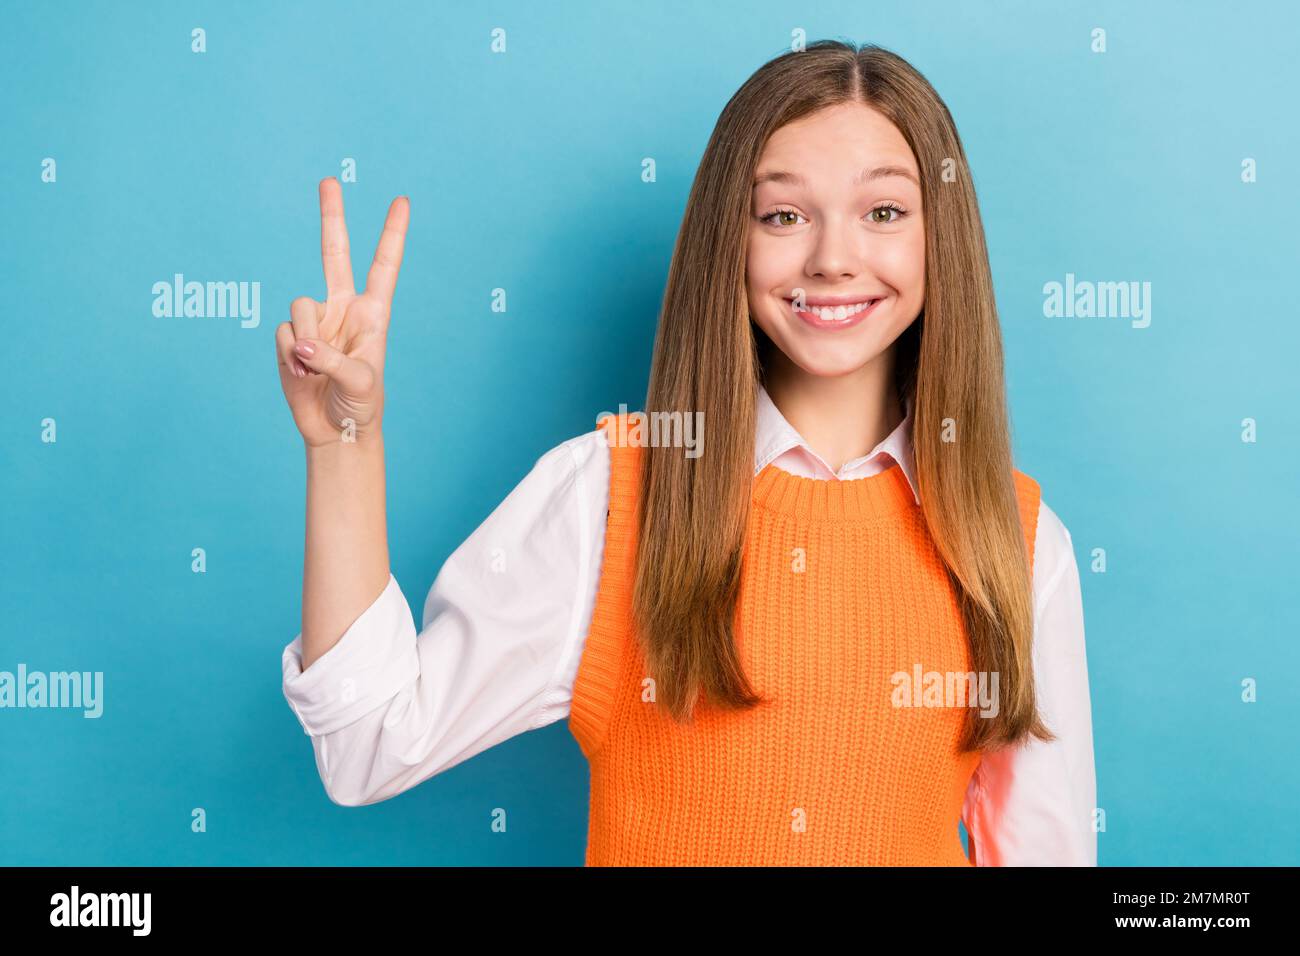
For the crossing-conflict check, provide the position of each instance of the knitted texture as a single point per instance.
(841, 589)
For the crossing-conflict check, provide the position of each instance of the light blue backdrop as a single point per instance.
(524, 173)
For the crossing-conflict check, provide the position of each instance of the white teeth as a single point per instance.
(837, 313)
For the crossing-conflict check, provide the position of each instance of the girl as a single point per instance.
(844, 626)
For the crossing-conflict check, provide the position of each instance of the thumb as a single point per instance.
(351, 375)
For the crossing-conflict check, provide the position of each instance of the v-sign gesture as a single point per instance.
(331, 355)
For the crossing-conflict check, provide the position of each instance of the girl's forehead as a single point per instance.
(840, 149)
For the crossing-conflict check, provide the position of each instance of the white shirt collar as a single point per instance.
(777, 439)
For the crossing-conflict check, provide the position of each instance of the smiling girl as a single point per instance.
(777, 652)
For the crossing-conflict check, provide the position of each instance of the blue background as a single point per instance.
(524, 172)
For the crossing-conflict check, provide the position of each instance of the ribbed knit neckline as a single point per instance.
(855, 499)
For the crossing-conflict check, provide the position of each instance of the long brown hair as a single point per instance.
(708, 358)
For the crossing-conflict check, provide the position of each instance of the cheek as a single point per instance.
(770, 261)
(759, 266)
(909, 265)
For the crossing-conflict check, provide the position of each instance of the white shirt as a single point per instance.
(506, 619)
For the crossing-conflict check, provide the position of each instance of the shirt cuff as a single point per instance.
(374, 659)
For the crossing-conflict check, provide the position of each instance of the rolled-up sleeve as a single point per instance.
(374, 659)
(502, 629)
(1033, 804)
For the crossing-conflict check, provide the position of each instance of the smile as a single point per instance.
(835, 316)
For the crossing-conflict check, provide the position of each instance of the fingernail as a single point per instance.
(304, 348)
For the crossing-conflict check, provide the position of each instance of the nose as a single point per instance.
(837, 252)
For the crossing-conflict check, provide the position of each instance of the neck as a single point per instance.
(841, 417)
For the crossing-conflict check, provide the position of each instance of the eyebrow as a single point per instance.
(865, 176)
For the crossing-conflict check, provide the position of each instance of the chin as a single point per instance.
(828, 365)
(824, 354)
(831, 368)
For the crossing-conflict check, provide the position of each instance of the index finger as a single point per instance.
(382, 278)
(334, 251)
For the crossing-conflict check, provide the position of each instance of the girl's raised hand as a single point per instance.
(331, 353)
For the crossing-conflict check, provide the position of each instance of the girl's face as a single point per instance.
(836, 213)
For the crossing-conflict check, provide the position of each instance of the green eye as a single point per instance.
(783, 217)
(779, 212)
(887, 208)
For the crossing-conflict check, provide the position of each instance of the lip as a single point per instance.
(817, 322)
(838, 299)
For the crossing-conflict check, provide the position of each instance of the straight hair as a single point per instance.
(708, 357)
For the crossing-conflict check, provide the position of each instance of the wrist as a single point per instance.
(361, 446)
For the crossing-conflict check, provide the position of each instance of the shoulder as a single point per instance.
(582, 449)
(1053, 554)
(1029, 496)
(577, 466)
(1052, 531)
(1052, 542)
(1027, 487)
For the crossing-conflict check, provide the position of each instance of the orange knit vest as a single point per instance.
(841, 589)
